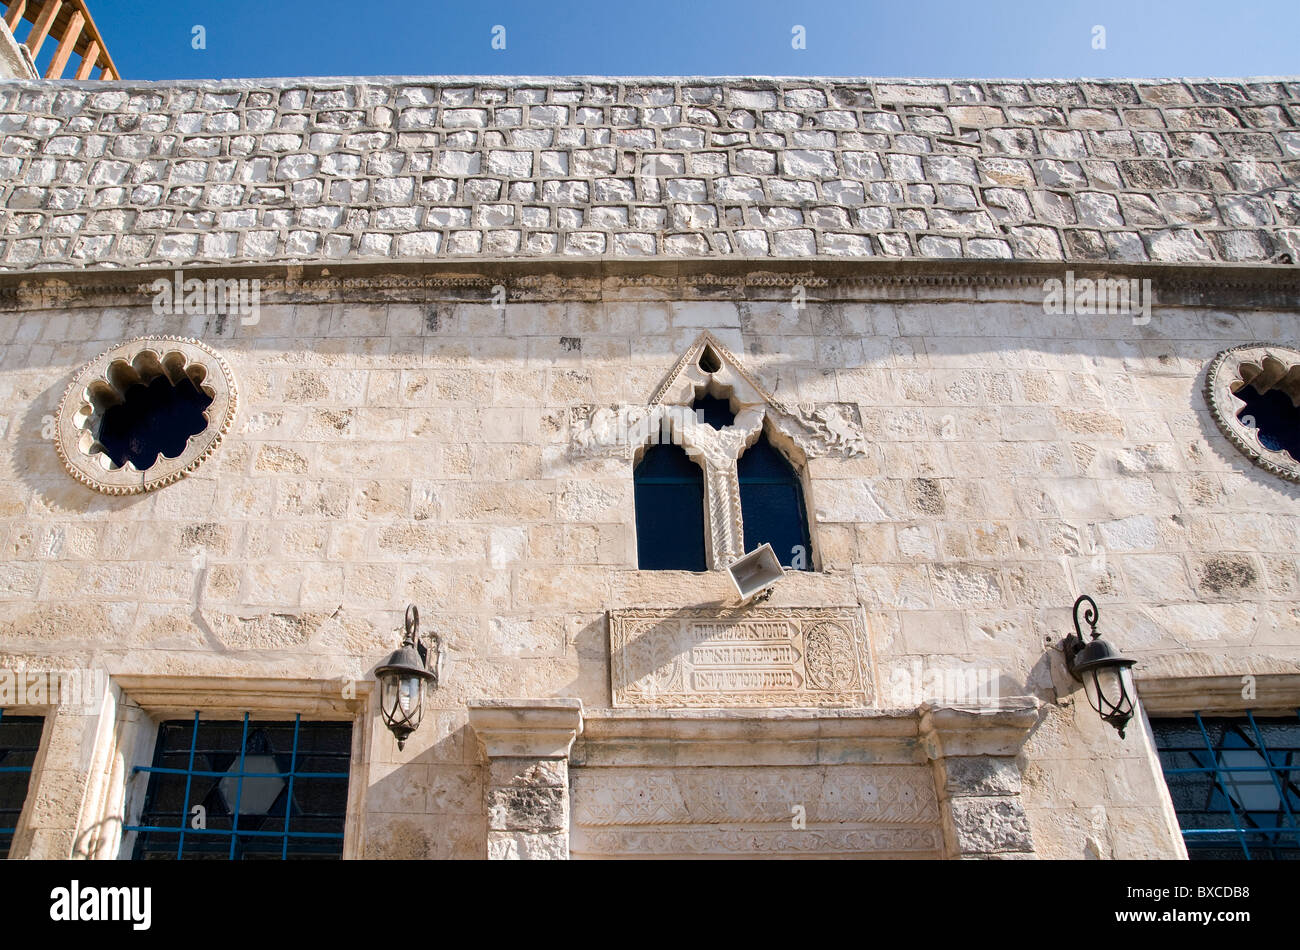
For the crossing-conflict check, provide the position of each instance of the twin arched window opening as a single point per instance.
(771, 505)
(670, 503)
(669, 490)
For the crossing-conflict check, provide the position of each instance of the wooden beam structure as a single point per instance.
(42, 25)
(15, 13)
(70, 24)
(66, 45)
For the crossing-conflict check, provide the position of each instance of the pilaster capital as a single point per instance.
(526, 728)
(977, 728)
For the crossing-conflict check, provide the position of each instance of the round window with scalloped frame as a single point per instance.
(144, 414)
(1254, 394)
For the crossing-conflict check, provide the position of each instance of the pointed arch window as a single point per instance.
(669, 497)
(708, 500)
(772, 505)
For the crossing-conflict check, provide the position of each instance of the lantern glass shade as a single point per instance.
(402, 704)
(1110, 692)
(410, 695)
(401, 692)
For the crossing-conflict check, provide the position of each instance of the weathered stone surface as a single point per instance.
(989, 825)
(531, 809)
(353, 182)
(981, 775)
(527, 847)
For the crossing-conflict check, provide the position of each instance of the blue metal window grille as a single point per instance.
(771, 504)
(20, 737)
(669, 498)
(245, 791)
(1235, 784)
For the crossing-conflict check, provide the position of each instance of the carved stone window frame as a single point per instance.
(144, 358)
(1279, 367)
(140, 703)
(799, 432)
(716, 451)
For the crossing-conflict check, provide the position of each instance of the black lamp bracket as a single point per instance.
(1075, 642)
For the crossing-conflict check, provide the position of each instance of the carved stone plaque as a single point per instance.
(756, 656)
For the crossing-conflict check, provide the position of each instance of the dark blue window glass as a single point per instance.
(1274, 416)
(232, 790)
(20, 737)
(1235, 785)
(771, 504)
(669, 511)
(153, 419)
(714, 411)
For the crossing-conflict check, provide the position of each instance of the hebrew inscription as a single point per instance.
(759, 656)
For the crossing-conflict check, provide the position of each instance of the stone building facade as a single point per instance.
(468, 307)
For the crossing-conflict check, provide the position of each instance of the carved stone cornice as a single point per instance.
(1263, 694)
(1194, 284)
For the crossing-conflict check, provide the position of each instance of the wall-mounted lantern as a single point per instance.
(402, 680)
(1106, 675)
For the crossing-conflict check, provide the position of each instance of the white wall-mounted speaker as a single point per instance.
(755, 572)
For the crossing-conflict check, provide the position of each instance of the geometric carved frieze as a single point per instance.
(747, 810)
(745, 842)
(760, 656)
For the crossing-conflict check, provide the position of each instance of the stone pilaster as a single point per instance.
(722, 488)
(78, 783)
(973, 750)
(525, 745)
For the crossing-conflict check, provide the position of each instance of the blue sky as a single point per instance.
(152, 39)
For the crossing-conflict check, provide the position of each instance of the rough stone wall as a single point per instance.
(127, 174)
(388, 452)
